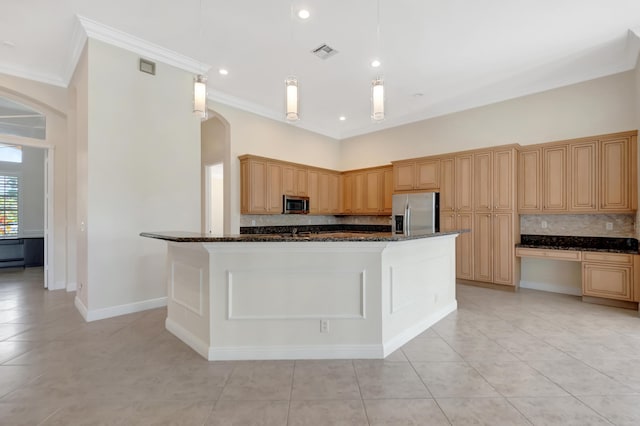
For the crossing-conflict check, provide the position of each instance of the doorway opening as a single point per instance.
(214, 198)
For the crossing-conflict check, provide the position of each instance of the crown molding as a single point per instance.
(78, 40)
(254, 108)
(104, 33)
(53, 80)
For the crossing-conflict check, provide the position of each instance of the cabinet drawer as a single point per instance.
(607, 281)
(574, 256)
(618, 258)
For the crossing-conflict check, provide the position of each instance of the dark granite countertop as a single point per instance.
(338, 236)
(562, 242)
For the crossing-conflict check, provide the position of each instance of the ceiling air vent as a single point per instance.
(324, 51)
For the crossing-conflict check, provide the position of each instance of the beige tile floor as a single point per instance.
(501, 359)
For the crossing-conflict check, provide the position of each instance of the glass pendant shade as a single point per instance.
(291, 85)
(200, 96)
(377, 100)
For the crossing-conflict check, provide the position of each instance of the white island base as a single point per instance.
(308, 300)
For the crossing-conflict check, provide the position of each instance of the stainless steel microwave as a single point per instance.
(295, 205)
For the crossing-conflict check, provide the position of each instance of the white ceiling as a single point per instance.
(457, 54)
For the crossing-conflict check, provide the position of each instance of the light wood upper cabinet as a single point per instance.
(387, 194)
(404, 176)
(618, 174)
(313, 189)
(504, 176)
(373, 191)
(483, 181)
(294, 180)
(447, 186)
(334, 193)
(274, 188)
(464, 182)
(347, 199)
(583, 188)
(253, 188)
(427, 174)
(530, 181)
(302, 184)
(420, 174)
(554, 178)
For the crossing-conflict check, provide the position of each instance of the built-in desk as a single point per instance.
(607, 278)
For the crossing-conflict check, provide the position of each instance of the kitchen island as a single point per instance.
(315, 296)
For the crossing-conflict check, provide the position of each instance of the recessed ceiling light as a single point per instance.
(375, 63)
(303, 14)
(223, 71)
(342, 118)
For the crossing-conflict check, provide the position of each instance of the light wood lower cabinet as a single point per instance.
(464, 246)
(483, 247)
(494, 257)
(608, 275)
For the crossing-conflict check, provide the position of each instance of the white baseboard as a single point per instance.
(58, 285)
(273, 352)
(398, 341)
(72, 287)
(129, 308)
(552, 288)
(80, 307)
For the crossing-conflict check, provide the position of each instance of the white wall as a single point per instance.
(142, 174)
(252, 134)
(604, 105)
(51, 101)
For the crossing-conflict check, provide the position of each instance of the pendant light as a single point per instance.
(291, 87)
(377, 85)
(291, 84)
(200, 96)
(200, 83)
(377, 99)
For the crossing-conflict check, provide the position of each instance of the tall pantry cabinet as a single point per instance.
(478, 193)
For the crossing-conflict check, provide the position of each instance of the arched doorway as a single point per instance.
(215, 175)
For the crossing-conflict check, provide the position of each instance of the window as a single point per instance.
(8, 205)
(10, 153)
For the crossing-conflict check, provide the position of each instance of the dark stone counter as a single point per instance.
(338, 236)
(561, 242)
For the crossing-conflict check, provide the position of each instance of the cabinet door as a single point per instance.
(289, 180)
(504, 180)
(358, 192)
(428, 174)
(464, 247)
(530, 181)
(323, 190)
(447, 185)
(334, 193)
(374, 182)
(314, 193)
(347, 199)
(302, 178)
(554, 178)
(387, 203)
(448, 222)
(583, 181)
(609, 281)
(483, 181)
(615, 175)
(464, 183)
(404, 176)
(258, 187)
(245, 186)
(503, 248)
(483, 247)
(274, 188)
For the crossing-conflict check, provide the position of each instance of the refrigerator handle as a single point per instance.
(407, 220)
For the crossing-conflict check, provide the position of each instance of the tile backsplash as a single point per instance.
(584, 225)
(297, 219)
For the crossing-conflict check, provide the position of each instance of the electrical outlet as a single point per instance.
(253, 222)
(609, 226)
(324, 326)
(543, 224)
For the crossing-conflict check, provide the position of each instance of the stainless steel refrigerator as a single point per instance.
(415, 214)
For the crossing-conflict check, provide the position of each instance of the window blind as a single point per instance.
(8, 205)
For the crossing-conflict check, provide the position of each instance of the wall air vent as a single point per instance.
(324, 51)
